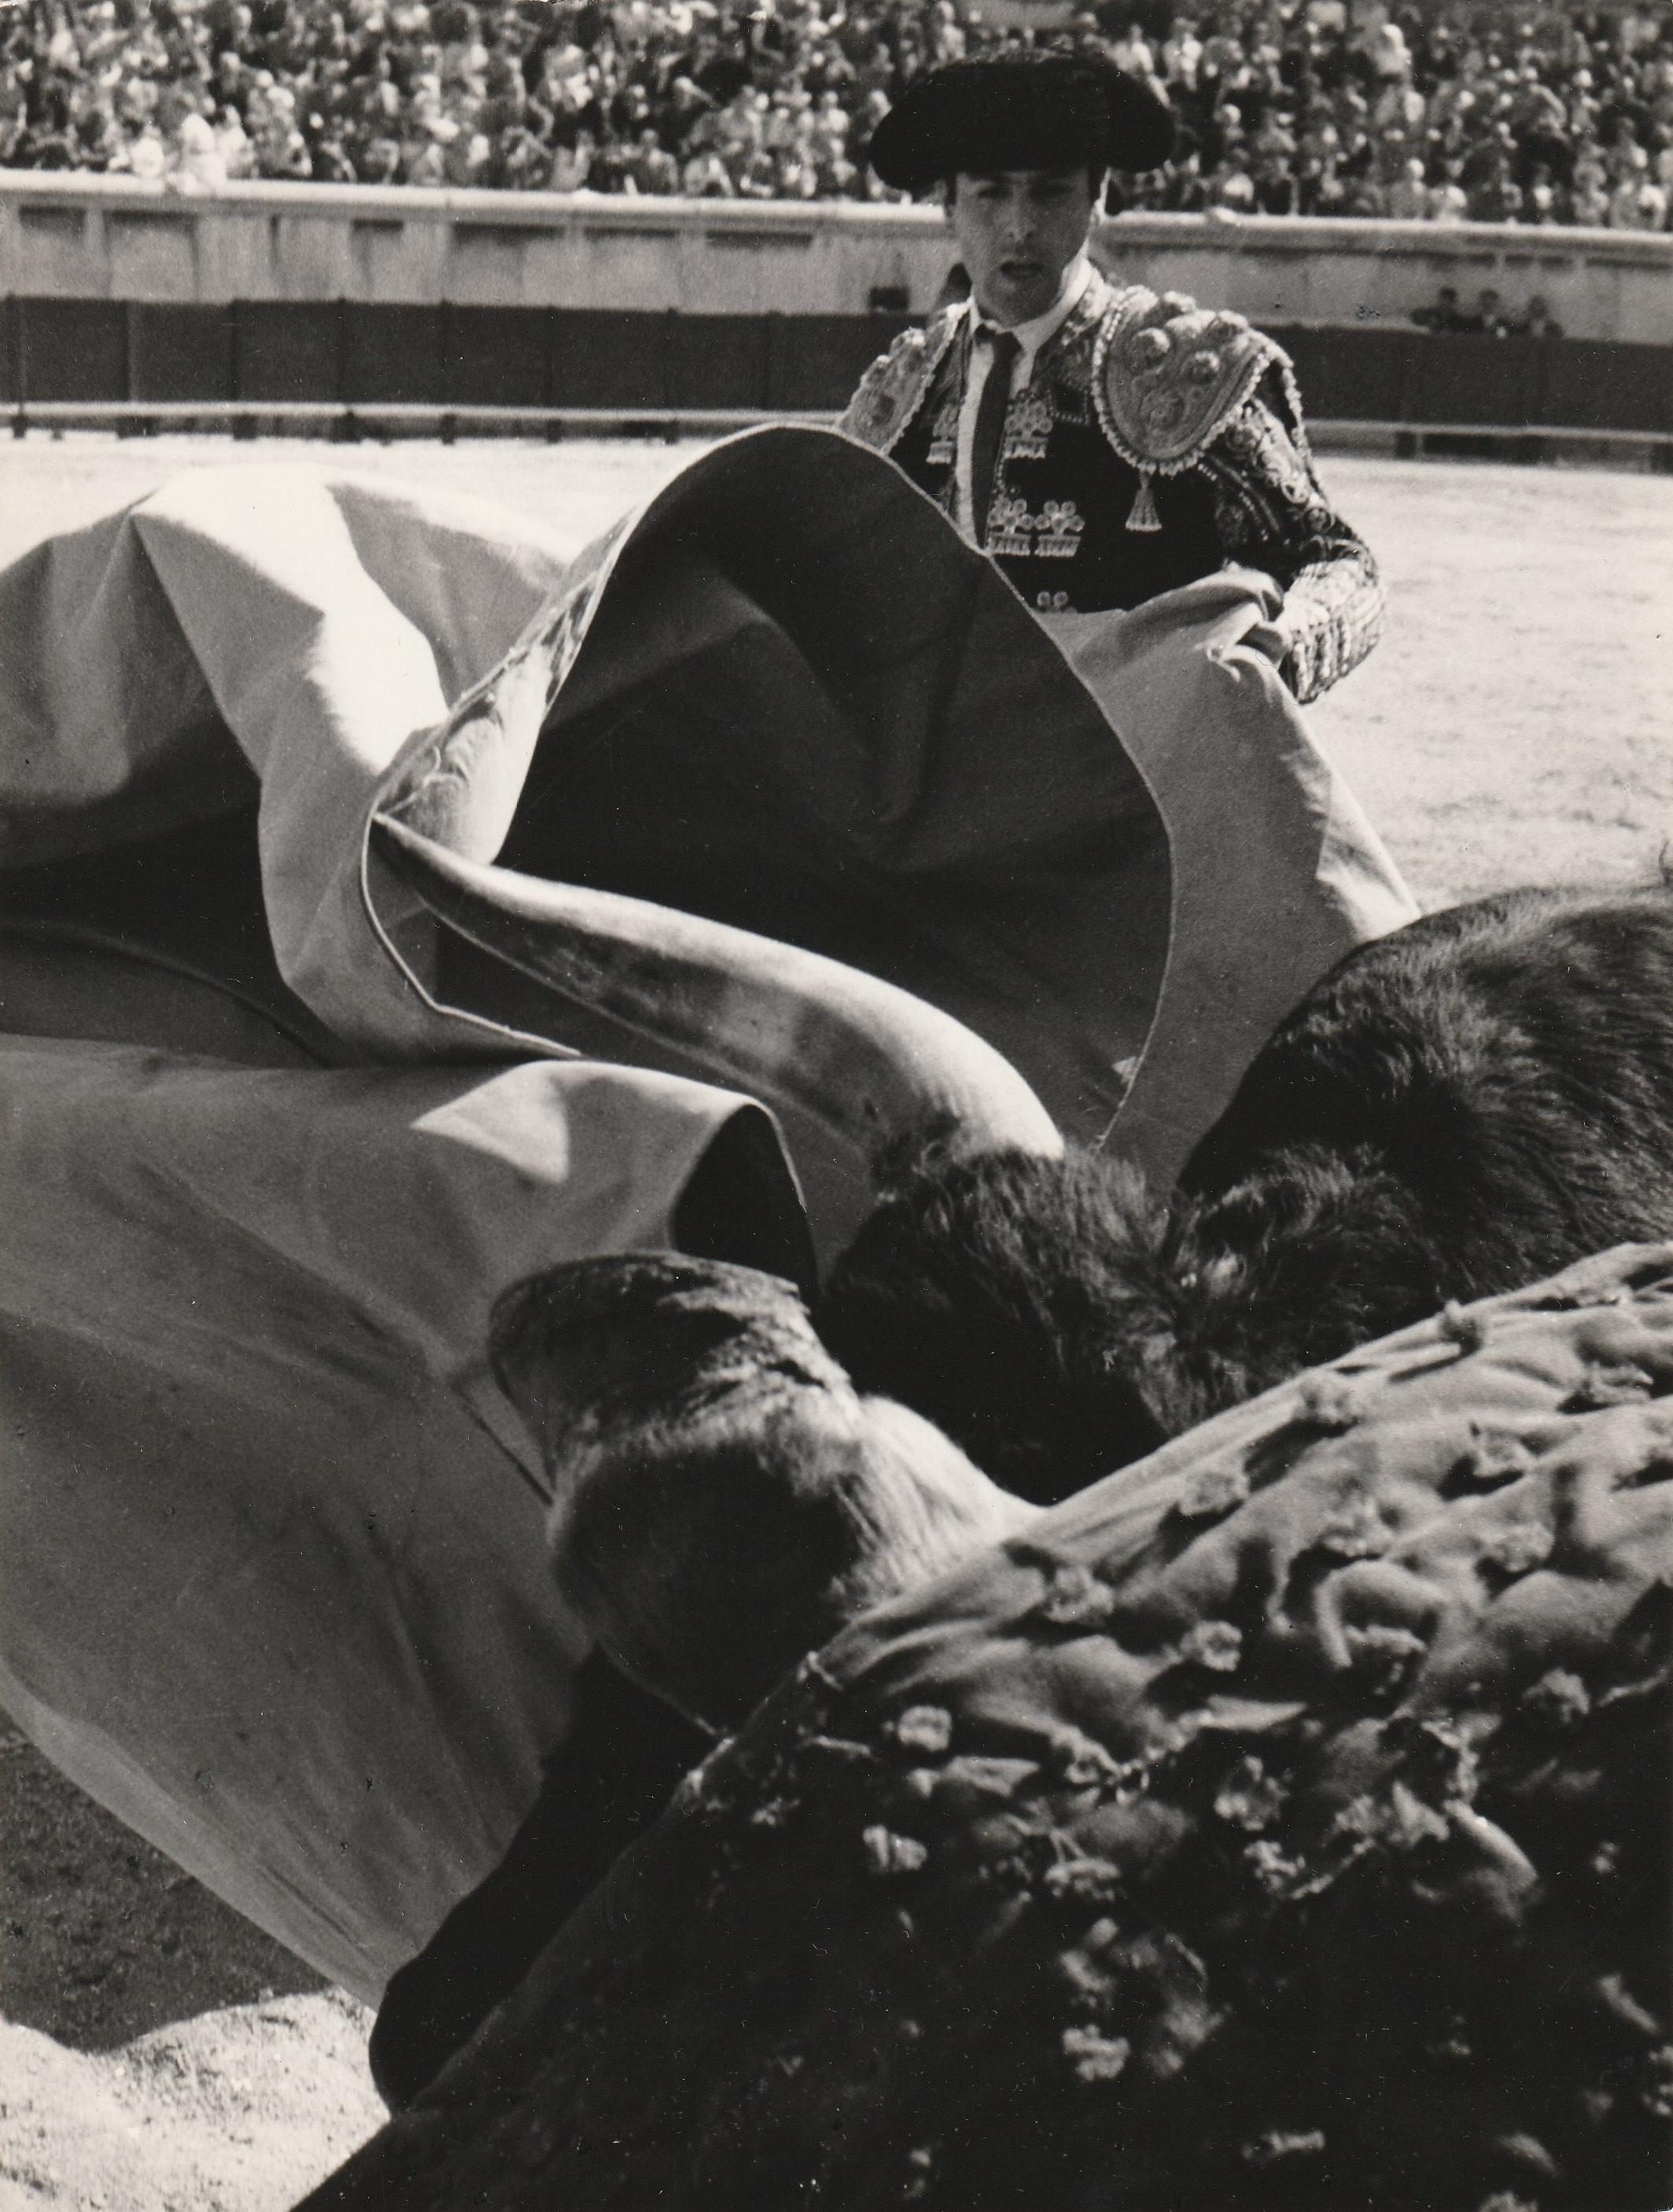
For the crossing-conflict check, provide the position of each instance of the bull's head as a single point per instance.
(724, 1499)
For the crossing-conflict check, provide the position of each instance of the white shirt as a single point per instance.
(1030, 337)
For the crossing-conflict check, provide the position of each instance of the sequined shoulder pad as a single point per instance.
(891, 391)
(1168, 376)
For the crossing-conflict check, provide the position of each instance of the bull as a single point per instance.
(1459, 1107)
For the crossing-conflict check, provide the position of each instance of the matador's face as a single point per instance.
(1017, 232)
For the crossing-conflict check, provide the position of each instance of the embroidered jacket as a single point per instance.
(1153, 444)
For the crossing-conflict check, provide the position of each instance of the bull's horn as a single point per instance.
(867, 1060)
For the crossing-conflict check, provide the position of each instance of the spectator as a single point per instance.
(199, 164)
(1538, 323)
(572, 165)
(143, 156)
(1409, 195)
(707, 177)
(1232, 189)
(238, 157)
(1448, 200)
(1589, 201)
(654, 168)
(1648, 210)
(1285, 106)
(1444, 315)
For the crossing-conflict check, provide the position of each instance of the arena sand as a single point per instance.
(158, 2054)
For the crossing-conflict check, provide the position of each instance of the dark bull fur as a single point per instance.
(1459, 1108)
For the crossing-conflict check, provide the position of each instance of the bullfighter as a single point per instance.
(1103, 443)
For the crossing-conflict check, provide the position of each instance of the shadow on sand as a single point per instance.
(101, 1938)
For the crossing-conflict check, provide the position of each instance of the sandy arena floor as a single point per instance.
(157, 2054)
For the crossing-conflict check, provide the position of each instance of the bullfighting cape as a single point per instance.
(318, 799)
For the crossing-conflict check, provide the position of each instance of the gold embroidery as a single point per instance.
(1271, 513)
(1053, 534)
(1275, 460)
(1009, 525)
(1183, 392)
(1168, 377)
(1058, 528)
(944, 438)
(1028, 423)
(1074, 364)
(892, 388)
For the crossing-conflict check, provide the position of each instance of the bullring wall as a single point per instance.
(343, 355)
(113, 290)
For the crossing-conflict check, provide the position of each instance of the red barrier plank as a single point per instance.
(72, 349)
(179, 352)
(288, 351)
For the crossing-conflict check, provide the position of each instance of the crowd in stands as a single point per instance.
(1491, 317)
(1535, 115)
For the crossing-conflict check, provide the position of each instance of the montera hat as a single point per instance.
(1020, 108)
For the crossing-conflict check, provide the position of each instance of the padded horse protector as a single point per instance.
(1281, 1821)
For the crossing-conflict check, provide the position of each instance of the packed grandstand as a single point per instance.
(1289, 107)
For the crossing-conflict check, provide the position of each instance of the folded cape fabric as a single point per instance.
(271, 1582)
(787, 696)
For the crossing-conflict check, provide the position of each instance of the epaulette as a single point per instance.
(893, 388)
(1168, 377)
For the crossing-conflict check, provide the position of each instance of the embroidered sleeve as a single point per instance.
(1273, 513)
(889, 393)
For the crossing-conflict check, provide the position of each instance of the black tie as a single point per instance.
(1004, 346)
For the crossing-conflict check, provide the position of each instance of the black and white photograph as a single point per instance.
(836, 1105)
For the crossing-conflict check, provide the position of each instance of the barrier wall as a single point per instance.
(66, 236)
(346, 354)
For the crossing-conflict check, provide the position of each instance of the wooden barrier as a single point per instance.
(117, 295)
(372, 355)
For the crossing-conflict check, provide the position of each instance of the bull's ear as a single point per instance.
(922, 1154)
